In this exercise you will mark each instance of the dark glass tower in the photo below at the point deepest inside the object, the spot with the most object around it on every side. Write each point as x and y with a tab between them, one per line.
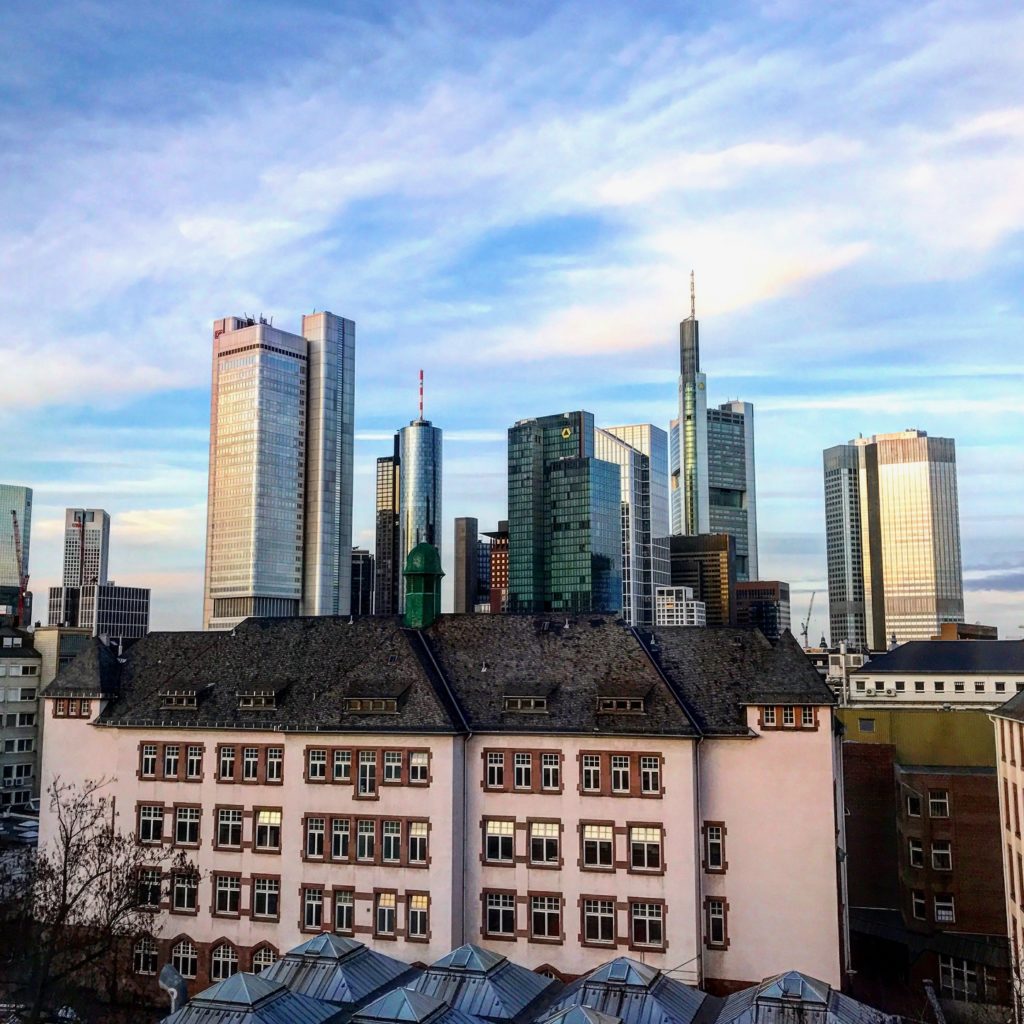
565	538
387	563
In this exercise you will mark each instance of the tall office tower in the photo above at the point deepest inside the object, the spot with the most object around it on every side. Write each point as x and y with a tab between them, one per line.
483	575
105	609
279	509
467	571
711	458
362	582
499	567
763	605
388	567
892	532
86	546
565	537
18	500
707	565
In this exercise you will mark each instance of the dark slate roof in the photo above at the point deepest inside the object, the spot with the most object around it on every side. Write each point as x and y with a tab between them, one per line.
1013	708
966	656
716	671
485	657
252	999
26	650
95	671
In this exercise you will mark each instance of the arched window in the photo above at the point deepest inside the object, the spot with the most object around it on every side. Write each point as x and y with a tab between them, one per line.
145	956
223	962
263	957
185	958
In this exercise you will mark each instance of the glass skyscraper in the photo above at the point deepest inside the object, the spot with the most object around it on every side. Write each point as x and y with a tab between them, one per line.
86	546
419	488
17	499
279	512
385	591
565	535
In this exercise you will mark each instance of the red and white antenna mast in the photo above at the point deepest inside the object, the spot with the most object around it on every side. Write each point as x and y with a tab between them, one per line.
421	394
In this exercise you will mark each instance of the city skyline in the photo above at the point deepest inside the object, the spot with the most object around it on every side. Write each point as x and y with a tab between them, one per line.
526	288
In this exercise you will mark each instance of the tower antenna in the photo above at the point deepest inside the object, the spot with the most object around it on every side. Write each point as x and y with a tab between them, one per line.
421	394
693	299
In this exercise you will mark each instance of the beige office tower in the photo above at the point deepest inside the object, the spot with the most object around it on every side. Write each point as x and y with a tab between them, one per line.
892	529
279	513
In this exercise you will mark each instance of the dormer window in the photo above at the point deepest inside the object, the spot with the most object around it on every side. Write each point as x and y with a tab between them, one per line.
620	705
256	701
372	705
529	705
178	699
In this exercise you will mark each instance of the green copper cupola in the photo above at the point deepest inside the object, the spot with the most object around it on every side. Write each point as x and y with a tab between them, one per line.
423	575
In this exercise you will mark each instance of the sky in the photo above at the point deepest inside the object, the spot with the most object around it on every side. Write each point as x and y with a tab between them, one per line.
511	197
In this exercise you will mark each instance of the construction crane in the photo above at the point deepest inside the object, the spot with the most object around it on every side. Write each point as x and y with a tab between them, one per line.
805	628
22	575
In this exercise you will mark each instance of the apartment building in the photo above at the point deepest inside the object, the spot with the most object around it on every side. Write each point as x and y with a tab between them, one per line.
556	790
19	717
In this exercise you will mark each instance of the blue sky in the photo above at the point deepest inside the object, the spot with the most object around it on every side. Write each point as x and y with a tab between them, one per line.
512	197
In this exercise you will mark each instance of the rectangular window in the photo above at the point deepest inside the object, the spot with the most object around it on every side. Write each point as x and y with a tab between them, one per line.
312	908
918	686
714	848
938	803
939	686
645	848
620	773
392	766
545	917
650	774
958	687
151	823
268	830
227	894
341	833
391	841
523	778
962	980
186	826
915	853
266	898
171	752
807	717
942	855
768	717
550	772
979	687
499	842
418	911
917	905
913	805
366	840
495	770
789	715
344	916
148	767
316	764
194	762
418	842
342	769
866	724
229	828
315	837
598	843
544	842
419	768
227	763
149	887
250	764
592	773
384	916
367	773
647	924
184	890
500	913
599	921
716	929
901	685
945	909
275	764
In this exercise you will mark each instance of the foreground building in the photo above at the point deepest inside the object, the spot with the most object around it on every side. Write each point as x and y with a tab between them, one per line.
553	789
19	717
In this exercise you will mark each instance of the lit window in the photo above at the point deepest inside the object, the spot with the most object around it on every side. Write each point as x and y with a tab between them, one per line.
418	767
268	830
544	842
598	842
938	803
945	909
384	916
500	842
418	842
645	848
418	916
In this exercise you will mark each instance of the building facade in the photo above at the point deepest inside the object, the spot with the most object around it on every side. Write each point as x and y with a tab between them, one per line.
120	613
362	582
498	554
19	500
86	546
892	531
419	502
467	565
763	605
564	516
707	565
388	564
279	508
19	717
676	606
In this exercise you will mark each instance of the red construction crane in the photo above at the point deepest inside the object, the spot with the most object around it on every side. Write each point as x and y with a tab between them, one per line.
22	575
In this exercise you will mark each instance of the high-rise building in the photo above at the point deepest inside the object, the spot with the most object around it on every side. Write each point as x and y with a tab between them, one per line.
467	567
362	582
892	531
105	609
86	546
565	535
763	605
676	606
279	510
388	566
498	555
707	565
711	458
20	725
641	453
14	498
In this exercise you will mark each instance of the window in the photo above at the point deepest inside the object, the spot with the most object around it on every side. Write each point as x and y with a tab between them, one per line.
500	910
523	778
942	855
384	915
275	764
550	771
599	921
859	685
913	805
367	773
268	830
151	823
186	826
544	842
919	686
266	898
716	928
499	843
789	715
148	767
312	909
962	980
392	766
194	762
938	803
184	889
391	841
620	705
495	770
531	705
366	834
939	686
315	837
979	687
264	957
545	917
769	717
597	846
714	847
223	962
227	763
418	911
316	764
227	891
344	918
418	768
185	959
866	724
592	773
958	687
149	887
945	909
1000	687
915	853
341	835
145	957
650	774
647	924
342	770
620	773
60	708
901	685
645	848
807	717
917	905
171	752
229	827
250	764
417	842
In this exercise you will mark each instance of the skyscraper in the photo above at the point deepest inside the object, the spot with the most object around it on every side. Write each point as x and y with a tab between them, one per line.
711	458
763	605
707	565
467	569
565	536
86	546
19	500
279	511
362	582
892	532
388	568
498	556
